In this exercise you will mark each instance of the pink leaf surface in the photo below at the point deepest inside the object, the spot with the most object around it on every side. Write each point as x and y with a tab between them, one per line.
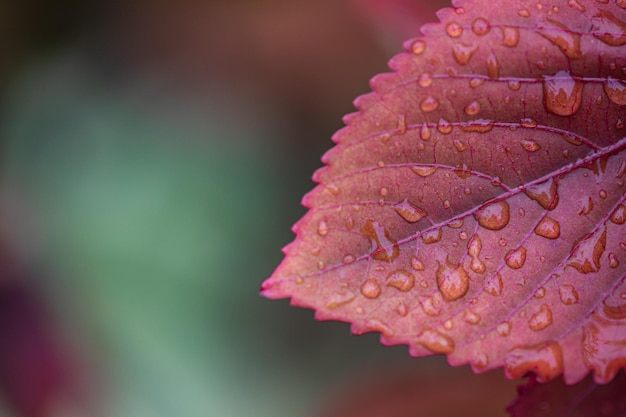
474	206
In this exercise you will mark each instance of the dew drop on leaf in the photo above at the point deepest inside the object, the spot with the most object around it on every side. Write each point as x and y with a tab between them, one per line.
470	317
545	193
454	30
613	261
541	319
476	82
548	228
384	247
473	108
402	309
510	36
423	170
568	294
615	90
546	360
514	85
530	145
516	258
348	259
493	66
340	298
418	47
452	280
504	328
402	280
494	216
432	236
480	26
493	285
409	212
425	132
481	361
431	305
540	293
322	228
565	39
370	288
585	256
429	104
417	264
444	126
447	324
523	13
528	122
608	28
435	341
619	215
463	53
425	80
562	95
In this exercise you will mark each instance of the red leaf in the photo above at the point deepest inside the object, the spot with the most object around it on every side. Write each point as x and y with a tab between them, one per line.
585	399
474	206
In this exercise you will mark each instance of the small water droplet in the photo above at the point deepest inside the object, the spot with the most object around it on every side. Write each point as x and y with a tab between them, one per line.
510	36
585	256
493	66
435	342
474	246
540	293
523	12
476	82
432	236
463	53
548	228
384	191
454	29
444	126
504	328
402	309
425	80
619	215
425	132
431	306
467	191
452	280
478	266
418	47
574	4
417	264
527	122
545	359
402	280
429	104
620	123
340	298
322	228
567	40
608	28
568	294
562	95
473	108
613	261
321	265
348	259
481	361
333	189
447	324
545	193
456	224
615	90
530	145
463	235
541	319
480	26
386	249
423	170
470	317
494	216
409	212
516	258
493	285
370	288
602	194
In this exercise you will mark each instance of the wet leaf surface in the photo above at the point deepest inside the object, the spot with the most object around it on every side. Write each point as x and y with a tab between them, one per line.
474	206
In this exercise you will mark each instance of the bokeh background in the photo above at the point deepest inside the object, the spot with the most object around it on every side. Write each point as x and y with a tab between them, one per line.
152	159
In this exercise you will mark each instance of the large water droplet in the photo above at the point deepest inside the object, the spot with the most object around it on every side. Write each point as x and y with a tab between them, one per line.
545	193
444	126
541	319
493	285
417	264
322	228
548	228
568	294
402	280
480	26
493	66
619	215
516	258
530	145
562	95
429	104
435	341
423	170
370	288
409	212
425	80
585	256
494	216
560	35
546	360
473	108
463	53
615	90
418	47
432	236
476	82
608	28
452	280
454	29
386	249
510	36
340	298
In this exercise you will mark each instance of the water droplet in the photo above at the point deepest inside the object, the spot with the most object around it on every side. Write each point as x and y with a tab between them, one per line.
370	288
402	309
467	191
493	285
423	170
510	36
481	361
425	132
528	122
480	26
470	317
340	298
608	28
348	259
620	123
474	246
541	319
613	261
429	104
530	145
463	235
435	342
452	280
478	125
379	326
425	80
473	108
431	306
545	193
321	265
567	40
619	215
514	85
568	294
417	264
602	194
548	228
478	266
322	228
540	293
493	66
562	95
621	3
333	189
585	256
447	324
545	359
476	82
504	328
586	205
384	191
444	126
456	224
386	249
432	236
409	212
574	4
494	216
454	29
418	47
402	280
463	53
615	90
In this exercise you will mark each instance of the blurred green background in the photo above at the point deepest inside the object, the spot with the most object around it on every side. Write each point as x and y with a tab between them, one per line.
153	155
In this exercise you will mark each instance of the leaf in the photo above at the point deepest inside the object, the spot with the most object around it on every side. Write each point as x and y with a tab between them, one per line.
585	399
474	206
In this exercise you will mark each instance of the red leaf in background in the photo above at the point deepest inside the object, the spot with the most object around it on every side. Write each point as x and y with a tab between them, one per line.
474	206
556	399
